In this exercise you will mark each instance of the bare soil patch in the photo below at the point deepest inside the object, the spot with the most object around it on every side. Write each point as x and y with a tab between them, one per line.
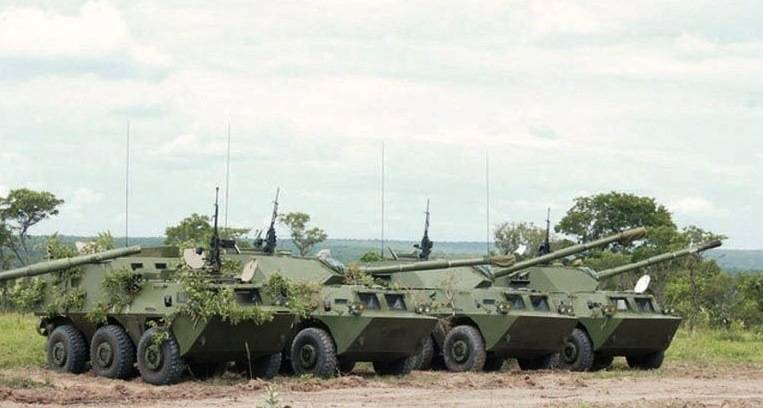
678	385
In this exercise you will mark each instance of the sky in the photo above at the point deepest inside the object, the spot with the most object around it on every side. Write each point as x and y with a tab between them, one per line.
564	98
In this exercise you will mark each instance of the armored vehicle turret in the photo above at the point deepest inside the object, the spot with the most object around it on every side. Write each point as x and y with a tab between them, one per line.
144	307
610	323
483	324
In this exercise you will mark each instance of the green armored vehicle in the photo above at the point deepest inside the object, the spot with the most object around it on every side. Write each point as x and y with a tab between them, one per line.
484	322
353	321
610	323
124	307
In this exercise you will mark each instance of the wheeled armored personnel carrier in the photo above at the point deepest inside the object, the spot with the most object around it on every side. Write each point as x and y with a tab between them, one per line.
350	321
610	323
484	322
129	307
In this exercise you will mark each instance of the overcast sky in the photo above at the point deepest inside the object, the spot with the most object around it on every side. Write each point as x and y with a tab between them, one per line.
659	98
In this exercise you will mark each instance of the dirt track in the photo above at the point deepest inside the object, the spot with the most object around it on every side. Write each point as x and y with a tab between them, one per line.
674	386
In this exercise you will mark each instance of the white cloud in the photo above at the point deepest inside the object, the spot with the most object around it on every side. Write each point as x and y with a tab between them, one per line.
82	198
97	31
192	145
692	206
4	190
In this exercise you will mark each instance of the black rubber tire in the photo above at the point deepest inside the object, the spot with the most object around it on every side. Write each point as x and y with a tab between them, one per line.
345	367
286	367
425	354
67	350
112	353
546	362
464	349
651	361
313	352
402	366
601	362
266	367
577	354
493	364
205	371
169	369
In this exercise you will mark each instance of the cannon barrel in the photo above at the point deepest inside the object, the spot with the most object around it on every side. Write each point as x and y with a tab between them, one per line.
42	268
502	261
624	238
608	273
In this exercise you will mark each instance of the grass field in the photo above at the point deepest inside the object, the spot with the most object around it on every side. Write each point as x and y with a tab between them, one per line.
21	346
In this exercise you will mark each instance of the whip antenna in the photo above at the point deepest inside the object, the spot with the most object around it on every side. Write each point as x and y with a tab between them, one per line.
127	187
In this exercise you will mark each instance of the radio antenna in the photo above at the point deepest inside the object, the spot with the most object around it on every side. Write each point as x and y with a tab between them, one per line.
227	181
487	202
382	201
127	187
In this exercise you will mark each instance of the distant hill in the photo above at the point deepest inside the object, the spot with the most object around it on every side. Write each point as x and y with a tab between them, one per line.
349	250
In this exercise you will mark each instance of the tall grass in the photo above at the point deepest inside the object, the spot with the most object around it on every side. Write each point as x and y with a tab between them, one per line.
20	345
716	346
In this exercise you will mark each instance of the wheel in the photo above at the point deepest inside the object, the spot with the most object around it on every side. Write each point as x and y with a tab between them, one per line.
112	353
651	361
286	367
205	371
402	366
425	354
346	367
493	364
602	362
67	350
159	364
266	367
546	362
313	352
464	349
577	354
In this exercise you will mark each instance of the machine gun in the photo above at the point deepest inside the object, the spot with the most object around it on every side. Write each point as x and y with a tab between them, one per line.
217	244
425	247
271	240
545	247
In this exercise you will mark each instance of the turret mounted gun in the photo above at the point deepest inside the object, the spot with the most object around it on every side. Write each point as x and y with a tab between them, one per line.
425	247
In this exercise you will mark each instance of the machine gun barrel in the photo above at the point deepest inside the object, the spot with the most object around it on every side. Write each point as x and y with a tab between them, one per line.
42	268
623	238
608	273
502	261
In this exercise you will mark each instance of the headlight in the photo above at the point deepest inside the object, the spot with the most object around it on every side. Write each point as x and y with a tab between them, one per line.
566	310
423	309
609	310
504	307
357	308
669	311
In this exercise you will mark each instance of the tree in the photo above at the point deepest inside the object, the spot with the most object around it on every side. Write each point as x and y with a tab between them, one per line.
600	215
371	256
195	231
304	239
519	236
21	210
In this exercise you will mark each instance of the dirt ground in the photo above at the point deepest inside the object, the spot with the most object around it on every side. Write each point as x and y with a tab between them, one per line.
678	385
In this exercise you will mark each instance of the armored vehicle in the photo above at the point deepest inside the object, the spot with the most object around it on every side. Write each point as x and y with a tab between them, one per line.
128	306
610	323
351	320
484	323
